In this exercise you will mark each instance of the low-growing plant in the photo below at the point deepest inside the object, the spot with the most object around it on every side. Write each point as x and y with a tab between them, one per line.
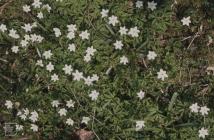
101	69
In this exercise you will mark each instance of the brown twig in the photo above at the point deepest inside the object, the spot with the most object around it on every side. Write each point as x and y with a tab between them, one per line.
195	36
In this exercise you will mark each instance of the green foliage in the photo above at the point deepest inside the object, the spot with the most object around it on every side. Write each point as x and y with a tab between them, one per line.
165	108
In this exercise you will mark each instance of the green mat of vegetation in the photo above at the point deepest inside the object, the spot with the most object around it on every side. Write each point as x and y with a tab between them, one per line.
107	69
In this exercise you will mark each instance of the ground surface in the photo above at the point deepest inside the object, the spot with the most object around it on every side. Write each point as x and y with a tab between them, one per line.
184	52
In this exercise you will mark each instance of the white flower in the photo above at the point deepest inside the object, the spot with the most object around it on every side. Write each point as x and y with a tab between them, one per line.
77	75
15	49
13	34
67	69
47	54
33	37
88	81
8	104
36	38
124	60
113	20
85	120
70	103
87	58
39	38
27	27
39	63
3	28
123	30
72	27
69	121
194	108
19	113
104	13
139	125
118	45
90	51
152	55
47	6
49	67
204	110
186	21
34	116
26	8
57	32
70	35
62	112
152	5
34	127
19	127
141	94
36	4
94	95
24	43
54	77
203	133
84	35
55	103
95	77
139	4
40	15
26	111
23	117
27	37
162	74
34	24
134	32
72	47
34	113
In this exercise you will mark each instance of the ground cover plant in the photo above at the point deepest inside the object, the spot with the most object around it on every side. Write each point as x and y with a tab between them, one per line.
107	69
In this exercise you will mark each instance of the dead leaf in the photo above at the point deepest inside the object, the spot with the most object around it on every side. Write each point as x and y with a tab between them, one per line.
210	70
84	134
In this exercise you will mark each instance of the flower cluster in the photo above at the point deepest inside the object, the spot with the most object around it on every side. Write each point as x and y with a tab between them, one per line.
151	5
77	40
24	114
195	108
62	111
